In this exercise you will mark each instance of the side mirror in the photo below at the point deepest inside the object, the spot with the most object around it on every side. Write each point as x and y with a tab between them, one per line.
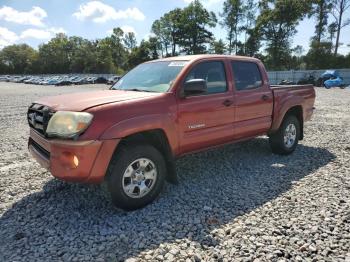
195	86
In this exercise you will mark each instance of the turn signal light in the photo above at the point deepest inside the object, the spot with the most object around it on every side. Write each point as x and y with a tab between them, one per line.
69	160
76	161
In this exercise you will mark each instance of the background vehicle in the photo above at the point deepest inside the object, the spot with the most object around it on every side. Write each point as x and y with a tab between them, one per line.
334	82
286	82
112	80
129	136
307	79
61	80
331	78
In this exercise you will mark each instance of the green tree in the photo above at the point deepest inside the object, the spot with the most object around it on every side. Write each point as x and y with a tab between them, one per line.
83	55
319	47
104	57
195	20
18	59
129	40
217	47
332	29
338	10
296	59
320	10
153	46
319	55
145	52
76	60
172	22
162	34
139	54
249	13
116	43
277	23
54	57
167	30
233	14
253	43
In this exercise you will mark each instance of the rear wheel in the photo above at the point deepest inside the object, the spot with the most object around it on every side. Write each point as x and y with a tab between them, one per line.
136	176
285	140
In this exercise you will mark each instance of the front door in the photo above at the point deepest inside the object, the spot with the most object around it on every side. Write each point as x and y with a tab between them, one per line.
206	120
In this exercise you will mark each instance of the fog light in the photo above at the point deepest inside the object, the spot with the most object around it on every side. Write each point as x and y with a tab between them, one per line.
76	161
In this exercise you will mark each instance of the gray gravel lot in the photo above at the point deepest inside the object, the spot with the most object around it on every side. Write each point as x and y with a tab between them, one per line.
238	202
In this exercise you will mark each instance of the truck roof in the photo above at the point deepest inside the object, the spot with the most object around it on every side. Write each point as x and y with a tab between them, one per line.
197	57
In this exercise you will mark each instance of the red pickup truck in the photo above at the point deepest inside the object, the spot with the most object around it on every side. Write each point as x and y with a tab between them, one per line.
130	135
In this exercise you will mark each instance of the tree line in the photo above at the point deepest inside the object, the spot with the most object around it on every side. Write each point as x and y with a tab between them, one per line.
263	29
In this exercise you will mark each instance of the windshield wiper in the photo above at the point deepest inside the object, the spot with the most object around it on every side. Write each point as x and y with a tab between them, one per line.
137	90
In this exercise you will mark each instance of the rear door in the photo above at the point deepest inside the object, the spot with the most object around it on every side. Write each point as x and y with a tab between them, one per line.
206	120
253	100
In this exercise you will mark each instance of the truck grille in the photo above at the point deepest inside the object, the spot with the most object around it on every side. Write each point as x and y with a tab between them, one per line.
39	117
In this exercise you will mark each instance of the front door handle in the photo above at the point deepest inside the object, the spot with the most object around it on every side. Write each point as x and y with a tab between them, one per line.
265	97
227	102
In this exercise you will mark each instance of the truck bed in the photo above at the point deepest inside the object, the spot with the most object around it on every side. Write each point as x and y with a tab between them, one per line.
288	96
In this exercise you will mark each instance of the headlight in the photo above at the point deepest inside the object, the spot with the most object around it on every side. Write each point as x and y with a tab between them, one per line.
68	124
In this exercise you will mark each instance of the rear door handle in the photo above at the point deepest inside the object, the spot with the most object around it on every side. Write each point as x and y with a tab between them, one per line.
227	102
265	97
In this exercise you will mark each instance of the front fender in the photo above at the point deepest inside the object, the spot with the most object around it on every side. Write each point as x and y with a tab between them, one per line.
144	123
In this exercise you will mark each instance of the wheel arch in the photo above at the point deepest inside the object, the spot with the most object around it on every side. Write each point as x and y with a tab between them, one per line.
297	111
157	138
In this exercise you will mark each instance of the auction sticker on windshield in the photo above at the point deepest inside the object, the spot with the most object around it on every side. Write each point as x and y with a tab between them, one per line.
178	63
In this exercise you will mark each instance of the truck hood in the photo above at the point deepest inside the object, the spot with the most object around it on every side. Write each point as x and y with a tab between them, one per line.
85	100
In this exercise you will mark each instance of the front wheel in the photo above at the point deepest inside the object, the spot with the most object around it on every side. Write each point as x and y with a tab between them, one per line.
136	176
285	140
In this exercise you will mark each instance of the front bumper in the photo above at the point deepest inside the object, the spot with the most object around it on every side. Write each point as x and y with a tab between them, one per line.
74	161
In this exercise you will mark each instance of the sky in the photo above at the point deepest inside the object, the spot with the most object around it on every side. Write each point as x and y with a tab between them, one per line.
35	22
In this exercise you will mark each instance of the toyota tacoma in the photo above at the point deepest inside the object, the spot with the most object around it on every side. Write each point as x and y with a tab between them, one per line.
130	135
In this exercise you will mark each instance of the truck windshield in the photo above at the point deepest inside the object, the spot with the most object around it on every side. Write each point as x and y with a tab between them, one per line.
151	77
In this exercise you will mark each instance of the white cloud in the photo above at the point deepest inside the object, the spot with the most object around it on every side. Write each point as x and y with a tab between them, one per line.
100	12
33	17
35	33
7	37
41	33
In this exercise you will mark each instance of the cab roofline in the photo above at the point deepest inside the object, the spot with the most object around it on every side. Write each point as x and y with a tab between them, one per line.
192	58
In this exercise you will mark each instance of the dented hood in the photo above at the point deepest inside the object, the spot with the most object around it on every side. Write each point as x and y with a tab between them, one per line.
85	100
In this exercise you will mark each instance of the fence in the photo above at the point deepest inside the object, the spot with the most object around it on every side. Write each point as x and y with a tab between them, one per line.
277	76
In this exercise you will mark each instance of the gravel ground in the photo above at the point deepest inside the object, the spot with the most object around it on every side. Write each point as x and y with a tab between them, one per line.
238	202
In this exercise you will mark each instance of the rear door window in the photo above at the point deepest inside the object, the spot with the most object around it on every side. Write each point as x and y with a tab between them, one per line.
246	75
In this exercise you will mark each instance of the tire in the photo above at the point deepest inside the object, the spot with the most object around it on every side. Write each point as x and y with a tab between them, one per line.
342	86
125	176
277	140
